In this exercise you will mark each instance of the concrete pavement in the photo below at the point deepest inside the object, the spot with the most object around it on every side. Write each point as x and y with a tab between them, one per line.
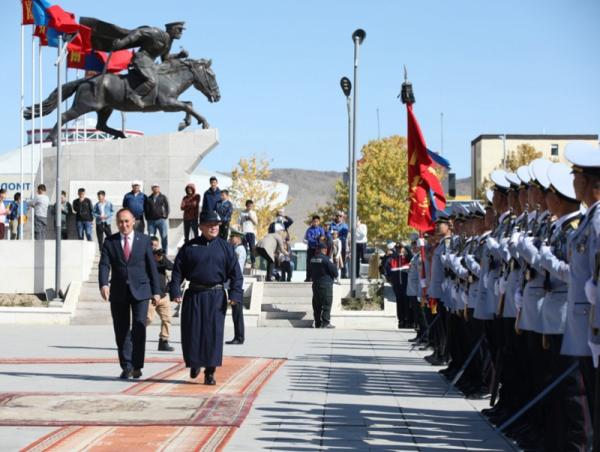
339	390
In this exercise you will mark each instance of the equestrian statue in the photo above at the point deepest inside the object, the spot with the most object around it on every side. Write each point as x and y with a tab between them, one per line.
147	87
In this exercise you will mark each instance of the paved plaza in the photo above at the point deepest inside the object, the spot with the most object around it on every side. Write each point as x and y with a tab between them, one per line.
338	389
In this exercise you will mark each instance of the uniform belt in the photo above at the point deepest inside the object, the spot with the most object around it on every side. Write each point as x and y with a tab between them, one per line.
197	287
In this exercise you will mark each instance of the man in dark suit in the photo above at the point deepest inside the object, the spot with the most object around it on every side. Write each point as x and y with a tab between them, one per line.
134	280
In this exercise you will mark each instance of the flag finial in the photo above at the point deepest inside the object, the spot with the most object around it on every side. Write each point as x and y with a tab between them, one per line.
407	95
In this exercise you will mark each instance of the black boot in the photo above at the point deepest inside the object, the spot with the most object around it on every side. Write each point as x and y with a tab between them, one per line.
209	376
163	346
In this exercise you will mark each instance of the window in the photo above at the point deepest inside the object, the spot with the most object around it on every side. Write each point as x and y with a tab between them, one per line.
554	150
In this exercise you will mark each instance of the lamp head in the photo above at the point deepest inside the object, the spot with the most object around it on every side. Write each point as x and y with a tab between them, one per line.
359	34
346	86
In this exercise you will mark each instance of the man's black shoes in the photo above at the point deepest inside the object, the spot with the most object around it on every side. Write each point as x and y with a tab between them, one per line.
164	346
137	373
209	379
234	342
126	374
194	372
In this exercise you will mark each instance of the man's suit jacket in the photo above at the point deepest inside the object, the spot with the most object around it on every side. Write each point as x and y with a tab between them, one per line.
138	275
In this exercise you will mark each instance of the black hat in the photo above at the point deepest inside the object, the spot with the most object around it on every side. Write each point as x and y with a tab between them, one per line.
209	217
322	245
171	25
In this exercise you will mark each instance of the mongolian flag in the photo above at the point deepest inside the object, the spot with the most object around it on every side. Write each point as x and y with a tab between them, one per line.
27	12
48	36
40	15
425	190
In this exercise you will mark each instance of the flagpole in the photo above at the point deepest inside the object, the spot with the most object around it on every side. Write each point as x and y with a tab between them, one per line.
57	209
41	137
357	37
22	130
32	141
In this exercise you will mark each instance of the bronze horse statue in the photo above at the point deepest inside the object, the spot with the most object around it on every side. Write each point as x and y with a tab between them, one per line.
106	92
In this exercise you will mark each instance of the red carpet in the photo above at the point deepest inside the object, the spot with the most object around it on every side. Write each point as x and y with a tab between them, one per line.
135	419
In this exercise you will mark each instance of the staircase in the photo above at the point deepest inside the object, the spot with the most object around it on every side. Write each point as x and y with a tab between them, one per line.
287	304
91	309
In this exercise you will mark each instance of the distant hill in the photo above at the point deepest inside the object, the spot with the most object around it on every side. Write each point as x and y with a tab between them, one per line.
308	189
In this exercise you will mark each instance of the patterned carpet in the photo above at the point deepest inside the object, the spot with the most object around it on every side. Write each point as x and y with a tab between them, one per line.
167	411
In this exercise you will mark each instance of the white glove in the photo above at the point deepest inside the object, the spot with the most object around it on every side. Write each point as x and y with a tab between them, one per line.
518	299
496	288
465	298
490	243
595	348
591	291
485	281
514	238
545	249
423	283
421	242
502	286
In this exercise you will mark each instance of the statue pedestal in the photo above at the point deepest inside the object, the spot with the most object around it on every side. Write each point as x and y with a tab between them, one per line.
167	160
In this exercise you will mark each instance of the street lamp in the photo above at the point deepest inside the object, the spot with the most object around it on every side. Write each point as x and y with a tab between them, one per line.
346	86
357	38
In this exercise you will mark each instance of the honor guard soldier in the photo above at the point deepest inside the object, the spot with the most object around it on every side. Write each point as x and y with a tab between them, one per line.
582	251
533	293
564	408
207	262
323	273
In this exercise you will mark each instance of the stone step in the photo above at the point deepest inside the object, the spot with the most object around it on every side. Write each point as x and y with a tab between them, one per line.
286	323
269	307
299	315
287	290
287	302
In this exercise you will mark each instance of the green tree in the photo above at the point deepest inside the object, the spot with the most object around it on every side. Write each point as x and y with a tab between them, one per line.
382	190
249	181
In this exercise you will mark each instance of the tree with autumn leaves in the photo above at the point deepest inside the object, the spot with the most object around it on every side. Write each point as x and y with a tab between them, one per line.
382	190
249	180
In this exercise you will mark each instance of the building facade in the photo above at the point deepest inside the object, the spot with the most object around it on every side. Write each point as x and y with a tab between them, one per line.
488	152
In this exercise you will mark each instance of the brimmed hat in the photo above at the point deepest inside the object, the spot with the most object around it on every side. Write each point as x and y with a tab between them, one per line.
236	233
561	180
209	217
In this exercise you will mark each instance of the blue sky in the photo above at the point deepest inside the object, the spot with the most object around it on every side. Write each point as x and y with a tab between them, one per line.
490	67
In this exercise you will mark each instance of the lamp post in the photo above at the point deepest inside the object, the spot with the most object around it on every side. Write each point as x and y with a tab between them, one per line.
503	150
346	86
357	38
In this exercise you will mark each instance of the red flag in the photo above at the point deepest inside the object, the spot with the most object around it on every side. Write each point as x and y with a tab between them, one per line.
27	12
425	190
119	60
62	20
76	59
82	42
41	32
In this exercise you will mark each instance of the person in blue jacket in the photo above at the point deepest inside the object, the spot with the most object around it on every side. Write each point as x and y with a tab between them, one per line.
312	238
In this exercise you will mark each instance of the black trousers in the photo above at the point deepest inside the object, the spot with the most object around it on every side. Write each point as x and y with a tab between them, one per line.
321	301
286	271
224	230
190	225
129	323
360	256
344	253
263	253
140	225
310	253
237	314
102	231
251	243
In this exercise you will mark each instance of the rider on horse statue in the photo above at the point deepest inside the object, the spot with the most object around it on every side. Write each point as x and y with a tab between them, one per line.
153	43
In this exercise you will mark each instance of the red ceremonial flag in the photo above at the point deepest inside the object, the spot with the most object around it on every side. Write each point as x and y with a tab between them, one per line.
62	20
41	32
27	12
82	42
425	190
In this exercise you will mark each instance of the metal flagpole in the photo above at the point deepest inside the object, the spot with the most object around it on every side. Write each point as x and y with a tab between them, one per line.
357	37
41	137
57	207
32	141
66	106
22	129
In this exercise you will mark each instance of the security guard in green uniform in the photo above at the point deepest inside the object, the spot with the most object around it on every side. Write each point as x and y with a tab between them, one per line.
323	273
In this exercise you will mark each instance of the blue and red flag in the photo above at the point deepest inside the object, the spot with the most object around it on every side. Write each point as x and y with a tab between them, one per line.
425	190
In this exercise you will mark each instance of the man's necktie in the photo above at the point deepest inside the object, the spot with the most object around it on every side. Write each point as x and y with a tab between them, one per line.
126	248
